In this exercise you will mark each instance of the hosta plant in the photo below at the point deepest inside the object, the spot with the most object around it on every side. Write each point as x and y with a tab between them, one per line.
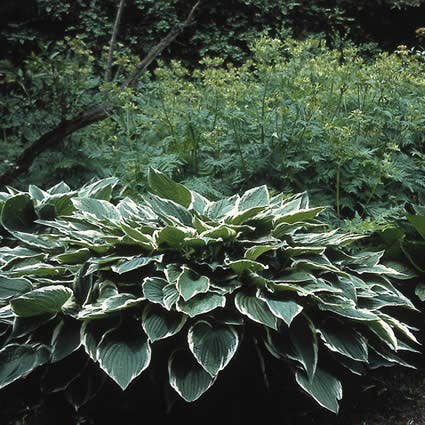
113	279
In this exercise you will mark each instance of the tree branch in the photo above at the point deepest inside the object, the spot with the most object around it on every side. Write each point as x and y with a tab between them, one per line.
95	114
113	42
158	49
50	139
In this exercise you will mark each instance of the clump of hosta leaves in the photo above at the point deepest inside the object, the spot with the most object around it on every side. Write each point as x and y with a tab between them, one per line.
81	272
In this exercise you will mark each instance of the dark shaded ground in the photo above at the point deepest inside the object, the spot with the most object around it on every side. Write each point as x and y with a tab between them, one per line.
388	397
393	397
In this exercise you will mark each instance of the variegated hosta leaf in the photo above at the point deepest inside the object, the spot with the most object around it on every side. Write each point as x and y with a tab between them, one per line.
221	232
187	377
189	284
170	295
113	304
159	323
347	311
123	356
256	309
166	188
201	304
172	272
97	208
213	346
169	211
385	333
304	345
220	209
256	251
171	236
283	309
78	256
125	266
17	360
101	189
257	197
153	289
240	266
92	331
18	214
299	216
65	340
12	287
48	299
345	341
250	204
323	387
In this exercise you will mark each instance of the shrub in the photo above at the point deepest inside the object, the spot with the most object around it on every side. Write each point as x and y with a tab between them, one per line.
116	278
297	116
404	241
49	87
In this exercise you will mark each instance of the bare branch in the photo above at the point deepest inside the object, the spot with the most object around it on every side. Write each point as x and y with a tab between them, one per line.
113	42
158	48
95	114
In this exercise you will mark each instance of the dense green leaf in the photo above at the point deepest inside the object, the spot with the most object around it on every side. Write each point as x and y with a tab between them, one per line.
418	222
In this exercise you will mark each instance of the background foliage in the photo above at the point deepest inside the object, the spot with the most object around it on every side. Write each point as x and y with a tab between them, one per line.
223	28
297	116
